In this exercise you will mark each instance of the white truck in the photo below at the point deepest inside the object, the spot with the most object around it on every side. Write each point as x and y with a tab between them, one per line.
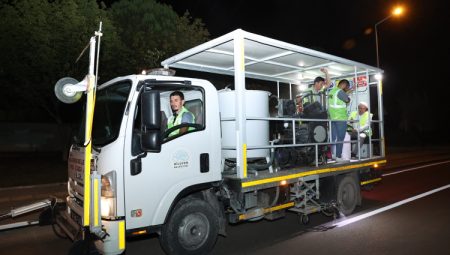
237	162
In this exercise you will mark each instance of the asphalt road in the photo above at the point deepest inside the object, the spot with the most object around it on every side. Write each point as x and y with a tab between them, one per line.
420	226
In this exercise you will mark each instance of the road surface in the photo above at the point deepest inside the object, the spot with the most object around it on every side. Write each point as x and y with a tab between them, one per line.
394	221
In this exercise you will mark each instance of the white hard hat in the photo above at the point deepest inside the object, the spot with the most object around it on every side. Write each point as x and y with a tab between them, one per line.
365	104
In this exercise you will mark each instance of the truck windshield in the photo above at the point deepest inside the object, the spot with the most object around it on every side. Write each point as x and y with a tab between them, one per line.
110	104
109	108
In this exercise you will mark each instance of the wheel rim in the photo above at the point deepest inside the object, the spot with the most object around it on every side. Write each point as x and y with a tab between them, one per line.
347	196
193	231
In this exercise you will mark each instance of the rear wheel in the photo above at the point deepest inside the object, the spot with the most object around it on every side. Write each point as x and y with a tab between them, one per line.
192	228
347	195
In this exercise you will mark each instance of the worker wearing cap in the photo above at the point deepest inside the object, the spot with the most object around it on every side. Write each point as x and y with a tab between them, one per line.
362	124
312	94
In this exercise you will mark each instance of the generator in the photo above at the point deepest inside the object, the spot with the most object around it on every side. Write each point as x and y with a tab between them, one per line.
306	132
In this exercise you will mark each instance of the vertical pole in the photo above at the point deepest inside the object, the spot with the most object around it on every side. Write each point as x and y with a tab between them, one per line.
278	89
358	141
90	101
290	91
376	37
369	110
239	82
381	117
376	45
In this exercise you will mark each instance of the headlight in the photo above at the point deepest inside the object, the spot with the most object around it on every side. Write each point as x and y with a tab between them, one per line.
108	199
107	206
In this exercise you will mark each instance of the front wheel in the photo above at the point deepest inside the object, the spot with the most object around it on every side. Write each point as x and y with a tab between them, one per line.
191	229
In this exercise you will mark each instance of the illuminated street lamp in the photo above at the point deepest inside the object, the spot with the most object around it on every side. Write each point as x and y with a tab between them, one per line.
396	12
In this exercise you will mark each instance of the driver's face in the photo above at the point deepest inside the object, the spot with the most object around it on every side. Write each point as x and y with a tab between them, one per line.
176	103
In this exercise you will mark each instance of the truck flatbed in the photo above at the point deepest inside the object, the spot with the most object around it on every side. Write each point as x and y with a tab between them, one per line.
265	179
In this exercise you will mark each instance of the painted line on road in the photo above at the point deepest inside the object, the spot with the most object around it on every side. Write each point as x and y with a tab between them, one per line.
380	210
415	168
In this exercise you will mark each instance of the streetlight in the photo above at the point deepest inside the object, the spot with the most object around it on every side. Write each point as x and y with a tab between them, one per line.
396	12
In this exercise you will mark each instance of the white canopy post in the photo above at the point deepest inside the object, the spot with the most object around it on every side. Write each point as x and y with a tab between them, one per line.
239	84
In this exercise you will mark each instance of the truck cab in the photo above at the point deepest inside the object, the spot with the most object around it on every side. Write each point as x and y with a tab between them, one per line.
138	186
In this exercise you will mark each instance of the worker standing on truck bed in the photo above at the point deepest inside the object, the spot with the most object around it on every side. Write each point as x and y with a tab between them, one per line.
180	113
337	108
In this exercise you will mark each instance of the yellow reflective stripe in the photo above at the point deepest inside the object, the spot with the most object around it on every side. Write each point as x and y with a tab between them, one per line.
121	235
90	104
299	175
244	159
95	202
370	181
381	88
87	185
278	207
268	210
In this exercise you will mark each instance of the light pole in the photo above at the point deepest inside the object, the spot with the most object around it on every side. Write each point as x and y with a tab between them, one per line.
396	12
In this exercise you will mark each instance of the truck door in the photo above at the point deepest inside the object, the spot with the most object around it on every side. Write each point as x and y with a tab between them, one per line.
182	162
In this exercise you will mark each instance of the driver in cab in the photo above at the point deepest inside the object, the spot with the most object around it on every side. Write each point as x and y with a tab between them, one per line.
180	114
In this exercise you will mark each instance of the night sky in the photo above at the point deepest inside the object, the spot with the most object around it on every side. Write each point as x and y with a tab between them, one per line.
413	50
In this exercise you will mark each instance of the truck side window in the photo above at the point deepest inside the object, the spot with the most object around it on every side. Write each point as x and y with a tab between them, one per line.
194	103
192	118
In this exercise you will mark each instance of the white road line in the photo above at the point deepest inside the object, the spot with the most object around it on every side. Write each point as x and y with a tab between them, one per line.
415	168
380	210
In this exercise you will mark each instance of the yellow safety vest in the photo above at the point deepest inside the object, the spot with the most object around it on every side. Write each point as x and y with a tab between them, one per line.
363	119
336	107
177	121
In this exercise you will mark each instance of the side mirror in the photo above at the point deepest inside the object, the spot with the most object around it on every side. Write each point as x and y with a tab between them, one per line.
150	121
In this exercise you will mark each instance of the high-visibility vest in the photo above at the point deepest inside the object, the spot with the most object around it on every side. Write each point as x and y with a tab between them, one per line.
311	93
336	107
177	121
363	119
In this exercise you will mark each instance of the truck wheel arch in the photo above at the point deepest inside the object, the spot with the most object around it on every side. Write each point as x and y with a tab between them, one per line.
204	191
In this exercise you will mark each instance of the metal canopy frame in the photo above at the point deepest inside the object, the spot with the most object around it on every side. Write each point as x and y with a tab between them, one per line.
246	55
265	59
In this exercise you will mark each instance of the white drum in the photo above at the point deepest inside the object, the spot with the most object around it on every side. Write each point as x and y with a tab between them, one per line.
257	105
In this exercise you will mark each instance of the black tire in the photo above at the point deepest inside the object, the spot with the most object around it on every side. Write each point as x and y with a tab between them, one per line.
304	218
347	195
191	229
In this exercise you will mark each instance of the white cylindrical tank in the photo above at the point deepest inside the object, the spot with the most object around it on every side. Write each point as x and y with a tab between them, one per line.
257	105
